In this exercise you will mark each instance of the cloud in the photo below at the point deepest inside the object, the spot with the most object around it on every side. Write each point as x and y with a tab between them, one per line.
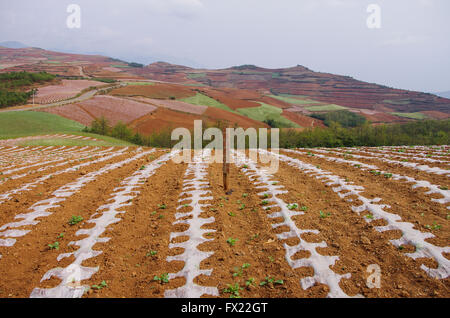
178	8
401	39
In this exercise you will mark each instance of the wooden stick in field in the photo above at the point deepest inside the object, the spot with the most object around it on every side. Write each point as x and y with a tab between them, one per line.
226	165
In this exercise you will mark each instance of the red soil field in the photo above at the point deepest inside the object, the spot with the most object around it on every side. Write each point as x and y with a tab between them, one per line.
302	120
313	242
174	105
436	114
241	121
158	91
65	90
112	108
228	99
163	118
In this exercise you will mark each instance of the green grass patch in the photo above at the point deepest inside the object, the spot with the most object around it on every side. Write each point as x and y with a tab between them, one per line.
418	116
25	123
197	84
28	123
196	75
267	112
293	99
204	100
397	102
325	108
120	66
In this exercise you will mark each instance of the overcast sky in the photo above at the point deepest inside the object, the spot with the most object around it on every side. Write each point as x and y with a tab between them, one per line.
411	49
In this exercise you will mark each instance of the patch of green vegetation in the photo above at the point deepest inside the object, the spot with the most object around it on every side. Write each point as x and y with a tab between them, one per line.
417	115
25	123
13	85
75	220
325	108
233	290
268	113
201	99
54	246
232	241
102	285
344	117
197	84
397	102
294	99
196	75
104	80
163	279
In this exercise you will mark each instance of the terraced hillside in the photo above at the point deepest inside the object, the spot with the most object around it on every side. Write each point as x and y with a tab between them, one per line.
298	91
129	222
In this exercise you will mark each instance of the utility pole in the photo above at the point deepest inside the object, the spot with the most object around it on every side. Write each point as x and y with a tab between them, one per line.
226	164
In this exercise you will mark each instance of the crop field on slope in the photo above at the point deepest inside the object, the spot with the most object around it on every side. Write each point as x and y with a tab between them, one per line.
114	109
266	112
24	123
65	90
129	222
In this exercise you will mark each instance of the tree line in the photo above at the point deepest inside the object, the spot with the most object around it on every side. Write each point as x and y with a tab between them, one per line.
426	132
12	82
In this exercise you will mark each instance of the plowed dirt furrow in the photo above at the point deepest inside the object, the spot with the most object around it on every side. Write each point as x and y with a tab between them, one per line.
57	175
394	167
420	202
56	227
42	208
106	215
407	234
67	161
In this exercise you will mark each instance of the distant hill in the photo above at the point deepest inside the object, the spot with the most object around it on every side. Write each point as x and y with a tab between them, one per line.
13	45
443	94
297	90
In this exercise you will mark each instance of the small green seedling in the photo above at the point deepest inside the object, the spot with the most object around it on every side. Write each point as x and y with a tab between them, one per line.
163	279
269	280
388	175
242	207
61	235
244	195
245	166
102	285
292	206
369	216
232	241
304	208
233	290
443	188
265	202
249	282
238	271
435	226
142	168
151	253
231	214
162	206
324	215
54	246
75	220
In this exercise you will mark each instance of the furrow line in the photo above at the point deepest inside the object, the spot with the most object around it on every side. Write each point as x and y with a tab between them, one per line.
72	275
195	190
